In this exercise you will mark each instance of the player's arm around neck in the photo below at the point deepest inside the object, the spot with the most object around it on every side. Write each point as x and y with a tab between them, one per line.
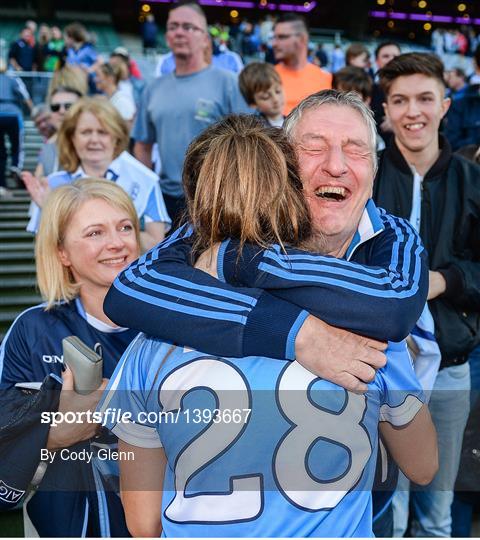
141	484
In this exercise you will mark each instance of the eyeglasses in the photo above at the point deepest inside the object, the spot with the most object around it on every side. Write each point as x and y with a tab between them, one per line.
283	37
186	27
55	107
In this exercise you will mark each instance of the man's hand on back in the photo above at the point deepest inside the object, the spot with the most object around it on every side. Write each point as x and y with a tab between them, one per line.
338	356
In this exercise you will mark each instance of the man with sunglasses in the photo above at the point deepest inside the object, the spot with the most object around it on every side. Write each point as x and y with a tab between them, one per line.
61	99
60	107
299	77
175	108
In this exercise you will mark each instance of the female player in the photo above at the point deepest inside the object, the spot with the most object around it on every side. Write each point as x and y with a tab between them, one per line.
255	446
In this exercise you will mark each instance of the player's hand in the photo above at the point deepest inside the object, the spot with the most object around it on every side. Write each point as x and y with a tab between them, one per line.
65	434
338	356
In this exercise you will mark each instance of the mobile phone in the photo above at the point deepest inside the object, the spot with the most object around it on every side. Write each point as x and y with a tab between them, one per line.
85	363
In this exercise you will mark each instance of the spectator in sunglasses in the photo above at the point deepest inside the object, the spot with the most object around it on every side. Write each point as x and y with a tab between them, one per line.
61	99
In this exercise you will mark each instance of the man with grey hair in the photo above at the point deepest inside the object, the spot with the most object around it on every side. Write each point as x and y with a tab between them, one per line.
335	137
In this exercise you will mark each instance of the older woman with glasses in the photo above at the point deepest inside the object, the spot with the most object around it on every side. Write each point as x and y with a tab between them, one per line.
92	141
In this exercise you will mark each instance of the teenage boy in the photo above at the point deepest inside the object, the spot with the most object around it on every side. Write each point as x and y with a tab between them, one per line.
420	179
262	89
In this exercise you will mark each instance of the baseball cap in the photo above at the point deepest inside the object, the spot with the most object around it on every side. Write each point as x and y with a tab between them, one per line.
122	51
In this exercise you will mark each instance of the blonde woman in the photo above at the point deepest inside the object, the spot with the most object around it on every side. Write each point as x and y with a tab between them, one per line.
89	232
260	447
92	141
71	77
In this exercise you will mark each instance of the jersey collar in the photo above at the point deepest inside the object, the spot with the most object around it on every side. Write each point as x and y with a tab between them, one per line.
93	321
370	225
79	173
112	173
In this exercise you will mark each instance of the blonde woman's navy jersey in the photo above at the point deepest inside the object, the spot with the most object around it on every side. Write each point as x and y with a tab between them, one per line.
75	498
32	348
257	447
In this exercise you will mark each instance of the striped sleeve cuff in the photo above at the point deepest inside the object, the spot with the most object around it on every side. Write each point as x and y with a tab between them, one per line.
272	327
402	414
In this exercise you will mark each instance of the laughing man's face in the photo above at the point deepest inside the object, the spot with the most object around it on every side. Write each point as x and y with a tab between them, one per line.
336	167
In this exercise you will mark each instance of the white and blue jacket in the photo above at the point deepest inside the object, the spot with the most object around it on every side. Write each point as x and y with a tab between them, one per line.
140	183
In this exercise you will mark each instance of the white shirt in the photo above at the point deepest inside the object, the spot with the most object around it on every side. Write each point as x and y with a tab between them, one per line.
123	102
140	183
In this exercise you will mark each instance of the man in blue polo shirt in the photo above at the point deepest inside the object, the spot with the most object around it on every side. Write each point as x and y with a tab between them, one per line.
21	55
177	107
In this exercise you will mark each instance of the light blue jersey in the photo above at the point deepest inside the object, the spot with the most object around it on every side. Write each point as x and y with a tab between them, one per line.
257	447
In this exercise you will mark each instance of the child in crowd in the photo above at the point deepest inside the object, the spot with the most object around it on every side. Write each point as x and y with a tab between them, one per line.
354	79
262	89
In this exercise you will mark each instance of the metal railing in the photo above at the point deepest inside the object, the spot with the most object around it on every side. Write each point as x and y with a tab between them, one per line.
36	82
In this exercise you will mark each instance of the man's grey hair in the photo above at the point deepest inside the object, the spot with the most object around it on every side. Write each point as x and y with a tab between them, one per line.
339	99
193	5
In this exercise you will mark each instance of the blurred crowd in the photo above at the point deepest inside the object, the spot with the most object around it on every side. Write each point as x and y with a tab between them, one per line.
48	48
463	41
69	55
